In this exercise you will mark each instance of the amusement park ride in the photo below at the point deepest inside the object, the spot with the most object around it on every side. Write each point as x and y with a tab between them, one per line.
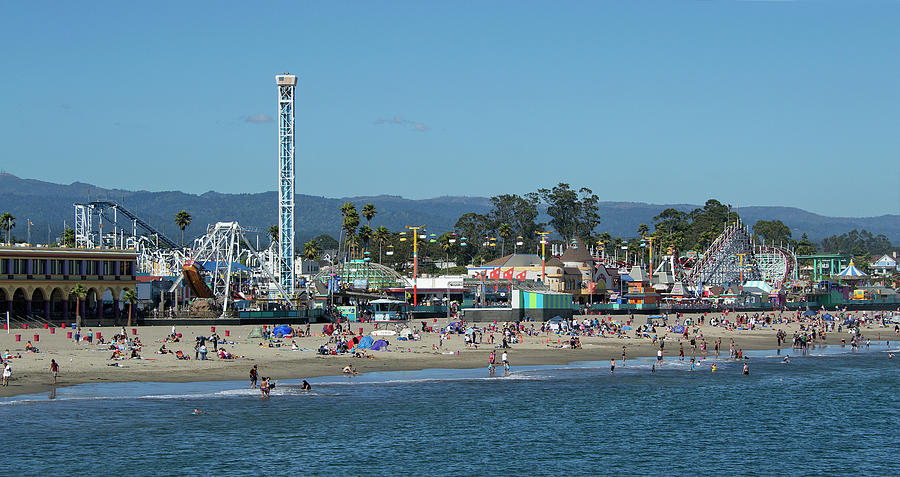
734	257
211	266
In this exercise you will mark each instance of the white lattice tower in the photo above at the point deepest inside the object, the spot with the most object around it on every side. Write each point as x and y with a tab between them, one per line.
286	84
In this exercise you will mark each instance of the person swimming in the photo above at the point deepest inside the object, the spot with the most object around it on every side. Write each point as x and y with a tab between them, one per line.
746	371
198	412
305	386
786	360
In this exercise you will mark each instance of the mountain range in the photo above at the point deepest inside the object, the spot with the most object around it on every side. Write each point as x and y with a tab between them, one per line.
48	204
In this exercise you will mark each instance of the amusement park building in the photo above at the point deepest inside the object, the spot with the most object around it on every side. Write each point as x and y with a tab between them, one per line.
37	281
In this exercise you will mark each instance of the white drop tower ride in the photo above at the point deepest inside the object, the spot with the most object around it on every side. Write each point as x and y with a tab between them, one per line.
286	84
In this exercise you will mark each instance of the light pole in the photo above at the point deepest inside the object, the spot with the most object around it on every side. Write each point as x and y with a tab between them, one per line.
415	262
544	255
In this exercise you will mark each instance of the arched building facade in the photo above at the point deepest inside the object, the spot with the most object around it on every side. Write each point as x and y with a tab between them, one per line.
38	282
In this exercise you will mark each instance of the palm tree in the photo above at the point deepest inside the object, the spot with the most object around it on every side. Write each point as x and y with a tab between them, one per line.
351	221
80	293
311	250
642	230
505	231
346	210
369	211
273	233
381	236
365	234
7	222
129	297
182	220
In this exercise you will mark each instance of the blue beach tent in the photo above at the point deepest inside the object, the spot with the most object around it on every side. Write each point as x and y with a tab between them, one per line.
281	330
365	342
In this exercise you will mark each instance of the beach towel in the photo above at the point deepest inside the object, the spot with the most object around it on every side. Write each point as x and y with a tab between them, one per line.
256	332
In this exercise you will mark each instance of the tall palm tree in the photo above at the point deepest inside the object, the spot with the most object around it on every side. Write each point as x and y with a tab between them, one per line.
642	230
365	234
369	211
311	250
273	233
505	231
7	222
351	221
80	293
129	297
381	236
182	220
346	210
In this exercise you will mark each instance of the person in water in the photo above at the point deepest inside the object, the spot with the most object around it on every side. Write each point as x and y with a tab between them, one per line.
305	386
746	369
612	366
198	412
264	387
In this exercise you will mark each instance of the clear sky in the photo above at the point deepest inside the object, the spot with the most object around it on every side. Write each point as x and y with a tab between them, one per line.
671	101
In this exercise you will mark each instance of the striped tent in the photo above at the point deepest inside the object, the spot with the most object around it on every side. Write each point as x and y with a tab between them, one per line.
851	272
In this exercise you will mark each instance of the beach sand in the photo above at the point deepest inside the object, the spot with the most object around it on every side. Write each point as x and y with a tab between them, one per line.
84	363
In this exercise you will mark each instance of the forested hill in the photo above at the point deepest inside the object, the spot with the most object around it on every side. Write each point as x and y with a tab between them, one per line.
46	203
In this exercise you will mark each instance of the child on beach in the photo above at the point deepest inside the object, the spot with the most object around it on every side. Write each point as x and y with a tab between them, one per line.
54	369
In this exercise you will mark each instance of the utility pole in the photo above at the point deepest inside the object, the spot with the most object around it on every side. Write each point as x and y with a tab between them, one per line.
544	255
415	231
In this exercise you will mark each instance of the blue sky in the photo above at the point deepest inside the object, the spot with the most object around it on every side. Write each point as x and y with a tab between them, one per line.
673	101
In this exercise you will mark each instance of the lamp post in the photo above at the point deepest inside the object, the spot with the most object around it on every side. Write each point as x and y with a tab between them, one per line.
415	262
544	255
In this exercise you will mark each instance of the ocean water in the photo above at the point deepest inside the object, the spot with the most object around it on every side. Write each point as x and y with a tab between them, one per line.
832	411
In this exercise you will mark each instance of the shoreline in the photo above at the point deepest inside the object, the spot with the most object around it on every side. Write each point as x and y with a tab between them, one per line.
83	364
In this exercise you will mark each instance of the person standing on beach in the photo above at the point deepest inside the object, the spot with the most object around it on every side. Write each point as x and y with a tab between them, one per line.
54	369
254	375
7	372
659	355
681	351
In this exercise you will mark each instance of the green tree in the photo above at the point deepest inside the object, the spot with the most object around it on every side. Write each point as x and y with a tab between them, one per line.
365	235
520	212
326	242
311	250
572	212
182	220
350	221
805	246
273	233
68	238
472	227
130	297
642	230
369	211
505	231
381	237
772	232
7	223
80	293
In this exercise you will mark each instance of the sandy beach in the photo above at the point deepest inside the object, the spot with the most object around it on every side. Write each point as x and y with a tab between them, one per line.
89	363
